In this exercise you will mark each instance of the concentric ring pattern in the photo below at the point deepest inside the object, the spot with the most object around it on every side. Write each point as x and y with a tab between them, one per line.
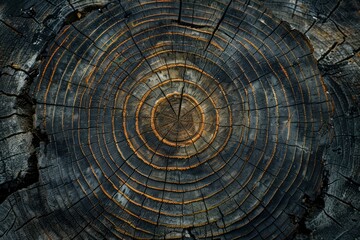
183	119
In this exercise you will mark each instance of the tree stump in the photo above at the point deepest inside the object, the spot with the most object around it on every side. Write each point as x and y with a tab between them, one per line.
225	119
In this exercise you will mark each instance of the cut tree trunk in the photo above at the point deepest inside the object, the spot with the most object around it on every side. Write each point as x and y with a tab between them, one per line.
225	119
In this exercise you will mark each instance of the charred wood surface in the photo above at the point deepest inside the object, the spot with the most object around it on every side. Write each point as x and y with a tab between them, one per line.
179	119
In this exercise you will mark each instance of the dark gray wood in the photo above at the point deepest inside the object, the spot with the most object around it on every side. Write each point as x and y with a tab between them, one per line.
179	119
333	29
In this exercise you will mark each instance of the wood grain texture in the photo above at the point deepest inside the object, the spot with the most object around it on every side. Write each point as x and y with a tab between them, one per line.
179	119
333	29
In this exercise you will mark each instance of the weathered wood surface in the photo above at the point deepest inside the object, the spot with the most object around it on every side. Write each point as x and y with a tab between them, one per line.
179	119
333	28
